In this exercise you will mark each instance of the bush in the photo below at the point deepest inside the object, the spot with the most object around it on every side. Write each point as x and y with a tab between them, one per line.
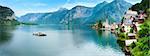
123	36
142	47
145	30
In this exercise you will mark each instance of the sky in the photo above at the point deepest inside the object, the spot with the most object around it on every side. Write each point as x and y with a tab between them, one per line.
21	7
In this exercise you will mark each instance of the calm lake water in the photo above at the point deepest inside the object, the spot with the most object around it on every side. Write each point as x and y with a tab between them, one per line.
60	41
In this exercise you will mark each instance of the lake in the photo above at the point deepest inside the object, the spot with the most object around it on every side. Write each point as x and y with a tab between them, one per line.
61	40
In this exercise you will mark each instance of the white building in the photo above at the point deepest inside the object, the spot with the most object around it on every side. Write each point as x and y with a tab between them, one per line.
130	13
106	25
129	42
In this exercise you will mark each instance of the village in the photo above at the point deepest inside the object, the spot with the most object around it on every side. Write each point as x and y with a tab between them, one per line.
128	27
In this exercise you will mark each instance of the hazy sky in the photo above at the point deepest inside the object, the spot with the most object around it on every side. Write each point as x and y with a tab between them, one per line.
22	7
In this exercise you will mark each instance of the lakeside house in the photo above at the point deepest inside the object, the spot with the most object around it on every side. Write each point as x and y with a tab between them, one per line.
114	26
132	35
130	41
130	25
130	13
131	21
127	44
141	17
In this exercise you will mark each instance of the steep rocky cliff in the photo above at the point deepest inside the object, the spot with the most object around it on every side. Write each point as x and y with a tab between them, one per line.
7	16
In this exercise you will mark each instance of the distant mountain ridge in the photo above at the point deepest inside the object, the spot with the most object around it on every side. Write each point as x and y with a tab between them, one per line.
81	14
112	11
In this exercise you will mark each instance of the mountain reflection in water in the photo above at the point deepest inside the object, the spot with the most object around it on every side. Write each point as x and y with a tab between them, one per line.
60	41
6	33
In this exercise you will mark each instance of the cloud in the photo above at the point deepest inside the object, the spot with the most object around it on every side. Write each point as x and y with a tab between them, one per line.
34	4
89	3
33	8
39	4
134	1
23	12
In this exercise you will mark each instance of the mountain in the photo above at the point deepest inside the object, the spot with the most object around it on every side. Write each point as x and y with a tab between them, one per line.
81	14
55	17
77	13
99	6
112	11
61	16
32	17
44	18
7	16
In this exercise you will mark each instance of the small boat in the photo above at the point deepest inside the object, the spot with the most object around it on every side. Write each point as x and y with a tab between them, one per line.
39	34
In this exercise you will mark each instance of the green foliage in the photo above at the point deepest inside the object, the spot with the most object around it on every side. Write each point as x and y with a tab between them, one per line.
142	47
121	43
122	36
148	12
133	45
100	25
13	22
9	22
145	29
141	6
131	30
123	19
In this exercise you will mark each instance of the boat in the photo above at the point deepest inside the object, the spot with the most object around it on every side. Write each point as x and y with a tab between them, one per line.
39	34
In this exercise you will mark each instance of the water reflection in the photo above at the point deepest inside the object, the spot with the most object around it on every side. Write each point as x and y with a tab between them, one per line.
5	33
105	38
60	41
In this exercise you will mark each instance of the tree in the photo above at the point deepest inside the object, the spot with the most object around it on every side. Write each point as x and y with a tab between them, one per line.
100	25
144	5
145	30
142	47
148	12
